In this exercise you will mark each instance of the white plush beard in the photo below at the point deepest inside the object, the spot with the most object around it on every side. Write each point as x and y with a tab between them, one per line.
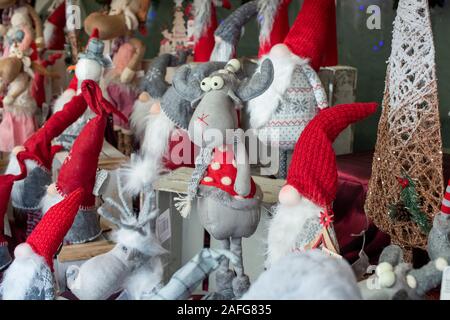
14	168
145	168
49	201
285	227
19	277
261	108
223	52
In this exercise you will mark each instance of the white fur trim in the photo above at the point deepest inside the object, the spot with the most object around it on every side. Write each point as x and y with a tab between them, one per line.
64	98
267	11
144	279
285	227
147	244
202	20
49	31
262	107
147	167
19	276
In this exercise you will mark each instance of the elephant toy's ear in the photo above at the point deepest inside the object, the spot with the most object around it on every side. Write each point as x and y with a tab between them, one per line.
258	83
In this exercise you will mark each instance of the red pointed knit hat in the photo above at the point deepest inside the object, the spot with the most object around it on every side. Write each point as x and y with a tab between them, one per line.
274	24
51	230
204	44
313	35
39	146
80	167
313	170
445	206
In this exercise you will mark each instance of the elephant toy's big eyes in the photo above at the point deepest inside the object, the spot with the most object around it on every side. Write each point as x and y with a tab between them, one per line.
205	85
217	83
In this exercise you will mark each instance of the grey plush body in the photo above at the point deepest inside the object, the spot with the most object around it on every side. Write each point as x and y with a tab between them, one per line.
43	285
214	125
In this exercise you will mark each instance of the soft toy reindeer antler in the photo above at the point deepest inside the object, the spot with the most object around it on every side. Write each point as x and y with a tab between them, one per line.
129	219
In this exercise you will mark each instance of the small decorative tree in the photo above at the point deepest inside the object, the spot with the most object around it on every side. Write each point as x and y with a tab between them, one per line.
409	138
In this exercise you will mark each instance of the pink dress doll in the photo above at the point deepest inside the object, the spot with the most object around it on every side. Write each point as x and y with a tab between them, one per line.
19	107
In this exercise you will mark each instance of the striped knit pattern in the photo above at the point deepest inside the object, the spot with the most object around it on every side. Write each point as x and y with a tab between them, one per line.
313	170
51	230
445	206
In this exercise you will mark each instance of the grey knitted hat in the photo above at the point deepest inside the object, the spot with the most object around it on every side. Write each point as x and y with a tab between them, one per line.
154	80
179	109
230	29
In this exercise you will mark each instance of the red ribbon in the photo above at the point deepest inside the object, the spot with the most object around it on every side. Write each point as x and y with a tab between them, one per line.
94	97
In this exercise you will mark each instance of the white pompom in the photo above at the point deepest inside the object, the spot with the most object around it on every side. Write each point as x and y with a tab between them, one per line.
235	64
411	281
383	267
441	264
23	250
387	279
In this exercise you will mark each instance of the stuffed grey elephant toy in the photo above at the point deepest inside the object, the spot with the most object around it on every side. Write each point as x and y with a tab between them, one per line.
228	200
395	279
134	264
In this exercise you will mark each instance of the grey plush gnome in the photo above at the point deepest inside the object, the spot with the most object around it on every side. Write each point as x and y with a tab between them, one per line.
395	279
30	276
151	127
310	275
296	95
228	200
134	264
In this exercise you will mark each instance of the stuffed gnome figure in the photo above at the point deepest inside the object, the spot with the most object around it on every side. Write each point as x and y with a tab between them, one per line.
54	25
30	276
37	156
304	215
296	94
80	167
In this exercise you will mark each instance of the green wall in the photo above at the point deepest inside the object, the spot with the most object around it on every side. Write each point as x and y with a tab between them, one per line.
356	44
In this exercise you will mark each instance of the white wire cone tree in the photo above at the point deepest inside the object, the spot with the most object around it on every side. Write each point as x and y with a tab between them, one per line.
409	137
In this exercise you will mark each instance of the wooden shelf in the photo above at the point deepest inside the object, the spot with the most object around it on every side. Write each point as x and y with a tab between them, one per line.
177	182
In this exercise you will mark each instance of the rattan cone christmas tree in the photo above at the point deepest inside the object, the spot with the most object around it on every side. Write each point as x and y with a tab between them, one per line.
409	138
